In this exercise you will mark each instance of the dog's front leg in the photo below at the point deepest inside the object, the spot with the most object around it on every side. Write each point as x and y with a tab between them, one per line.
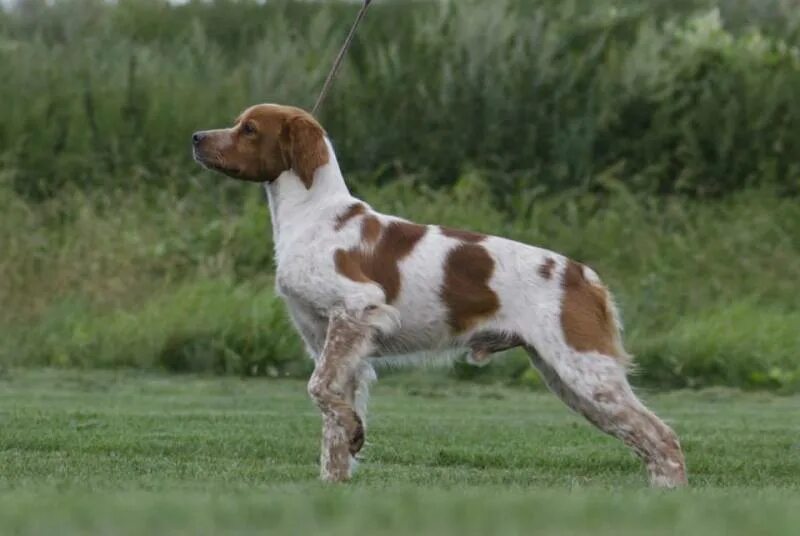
347	342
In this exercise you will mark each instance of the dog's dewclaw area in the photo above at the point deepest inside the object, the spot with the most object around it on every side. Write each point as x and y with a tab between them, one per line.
126	453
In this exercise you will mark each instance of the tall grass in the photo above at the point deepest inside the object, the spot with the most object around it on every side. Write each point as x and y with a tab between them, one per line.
708	291
695	96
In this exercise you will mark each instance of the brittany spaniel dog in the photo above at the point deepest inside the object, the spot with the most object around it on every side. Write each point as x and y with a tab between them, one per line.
362	286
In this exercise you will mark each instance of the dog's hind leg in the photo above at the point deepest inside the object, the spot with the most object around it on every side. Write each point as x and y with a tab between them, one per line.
580	355
596	387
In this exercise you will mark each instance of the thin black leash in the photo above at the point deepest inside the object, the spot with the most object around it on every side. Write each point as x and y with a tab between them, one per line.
338	62
335	69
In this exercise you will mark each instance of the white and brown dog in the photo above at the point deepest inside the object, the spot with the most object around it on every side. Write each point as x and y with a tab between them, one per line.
362	286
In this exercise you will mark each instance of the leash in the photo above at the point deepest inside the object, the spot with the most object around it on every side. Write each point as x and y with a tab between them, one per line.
338	62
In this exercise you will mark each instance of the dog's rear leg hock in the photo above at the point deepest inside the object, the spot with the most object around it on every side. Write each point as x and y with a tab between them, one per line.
347	342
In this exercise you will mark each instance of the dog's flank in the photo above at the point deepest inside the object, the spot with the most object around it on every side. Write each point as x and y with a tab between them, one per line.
361	286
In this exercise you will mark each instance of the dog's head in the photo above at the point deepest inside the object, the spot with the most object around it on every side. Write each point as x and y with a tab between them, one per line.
265	141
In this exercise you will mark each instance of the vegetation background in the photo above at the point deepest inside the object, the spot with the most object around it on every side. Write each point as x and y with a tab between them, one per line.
657	141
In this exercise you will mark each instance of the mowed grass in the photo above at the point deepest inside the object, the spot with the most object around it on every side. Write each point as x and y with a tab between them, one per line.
132	453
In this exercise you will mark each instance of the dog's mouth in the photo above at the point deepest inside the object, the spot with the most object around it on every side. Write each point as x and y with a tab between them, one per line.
214	163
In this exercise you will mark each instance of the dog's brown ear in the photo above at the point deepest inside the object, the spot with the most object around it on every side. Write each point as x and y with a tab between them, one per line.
303	147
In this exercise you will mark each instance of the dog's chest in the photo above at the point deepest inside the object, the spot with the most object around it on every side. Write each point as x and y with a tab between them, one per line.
304	277
304	268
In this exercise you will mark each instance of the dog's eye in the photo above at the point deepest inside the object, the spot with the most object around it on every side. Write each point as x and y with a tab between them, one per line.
248	129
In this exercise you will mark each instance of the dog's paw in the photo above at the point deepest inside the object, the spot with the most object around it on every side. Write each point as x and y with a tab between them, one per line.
357	437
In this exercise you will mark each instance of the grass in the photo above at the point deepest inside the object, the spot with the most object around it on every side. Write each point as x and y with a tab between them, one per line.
132	453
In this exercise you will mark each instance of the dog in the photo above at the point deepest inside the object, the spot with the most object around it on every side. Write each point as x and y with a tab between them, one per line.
361	286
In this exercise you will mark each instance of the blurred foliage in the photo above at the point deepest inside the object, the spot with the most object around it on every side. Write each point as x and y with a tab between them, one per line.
688	96
184	282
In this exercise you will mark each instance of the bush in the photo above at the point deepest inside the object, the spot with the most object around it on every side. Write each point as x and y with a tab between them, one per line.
204	326
666	96
708	290
743	344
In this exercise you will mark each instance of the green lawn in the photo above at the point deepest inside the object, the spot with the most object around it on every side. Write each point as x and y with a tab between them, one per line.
127	453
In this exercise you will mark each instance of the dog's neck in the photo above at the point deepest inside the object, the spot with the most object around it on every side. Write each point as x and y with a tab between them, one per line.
292	205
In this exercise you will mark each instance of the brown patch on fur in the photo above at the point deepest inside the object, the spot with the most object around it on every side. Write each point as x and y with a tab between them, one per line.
370	229
466	292
546	268
586	316
356	209
266	140
380	264
464	236
302	142
348	264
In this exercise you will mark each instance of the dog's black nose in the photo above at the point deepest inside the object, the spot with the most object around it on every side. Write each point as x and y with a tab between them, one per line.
197	137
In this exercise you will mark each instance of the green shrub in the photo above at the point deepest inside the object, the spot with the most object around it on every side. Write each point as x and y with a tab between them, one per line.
743	344
695	96
181	282
204	326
